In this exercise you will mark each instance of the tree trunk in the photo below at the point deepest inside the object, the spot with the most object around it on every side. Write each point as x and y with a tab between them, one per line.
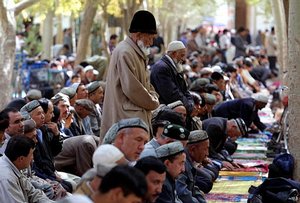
7	52
286	11
103	30
47	39
169	29
240	13
8	11
281	35
85	30
59	39
294	83
128	11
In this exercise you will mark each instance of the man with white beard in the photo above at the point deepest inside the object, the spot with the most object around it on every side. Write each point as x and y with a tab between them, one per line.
128	91
167	77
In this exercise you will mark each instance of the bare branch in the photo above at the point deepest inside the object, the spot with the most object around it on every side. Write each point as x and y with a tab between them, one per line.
23	5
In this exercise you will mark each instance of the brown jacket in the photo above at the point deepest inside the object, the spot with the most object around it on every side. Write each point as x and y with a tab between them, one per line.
128	90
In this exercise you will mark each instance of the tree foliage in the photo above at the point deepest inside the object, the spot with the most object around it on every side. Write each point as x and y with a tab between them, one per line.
264	4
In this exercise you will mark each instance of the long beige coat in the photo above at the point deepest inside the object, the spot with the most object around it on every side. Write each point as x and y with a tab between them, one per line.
128	90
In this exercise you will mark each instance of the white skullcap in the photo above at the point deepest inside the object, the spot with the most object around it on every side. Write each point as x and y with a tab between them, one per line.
217	69
206	70
226	78
87	68
107	155
175	45
95	72
261	97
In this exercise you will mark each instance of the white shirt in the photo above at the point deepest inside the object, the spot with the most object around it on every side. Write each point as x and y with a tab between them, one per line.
225	41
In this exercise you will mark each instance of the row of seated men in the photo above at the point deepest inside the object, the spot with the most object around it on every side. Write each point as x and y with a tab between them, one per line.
64	140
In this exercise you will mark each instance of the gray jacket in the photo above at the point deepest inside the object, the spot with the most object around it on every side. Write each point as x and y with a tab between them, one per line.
15	187
149	149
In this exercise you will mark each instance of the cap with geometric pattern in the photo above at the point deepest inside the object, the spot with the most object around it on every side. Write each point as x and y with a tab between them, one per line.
69	91
210	99
86	103
91	87
59	97
30	106
197	136
112	132
170	149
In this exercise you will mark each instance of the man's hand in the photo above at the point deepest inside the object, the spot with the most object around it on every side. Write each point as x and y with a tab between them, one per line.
53	127
228	165
237	165
68	121
206	161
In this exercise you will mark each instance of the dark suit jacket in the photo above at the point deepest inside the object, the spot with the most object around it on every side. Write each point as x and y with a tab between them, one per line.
168	194
239	108
169	84
216	131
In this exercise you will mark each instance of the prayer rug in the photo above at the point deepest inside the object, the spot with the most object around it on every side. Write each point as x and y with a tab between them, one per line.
223	197
242	173
241	155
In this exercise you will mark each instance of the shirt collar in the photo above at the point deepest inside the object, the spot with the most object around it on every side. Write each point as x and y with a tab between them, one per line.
171	60
14	168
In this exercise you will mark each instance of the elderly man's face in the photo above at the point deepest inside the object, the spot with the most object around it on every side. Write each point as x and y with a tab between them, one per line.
155	182
234	133
147	39
132	142
16	125
180	55
38	116
200	151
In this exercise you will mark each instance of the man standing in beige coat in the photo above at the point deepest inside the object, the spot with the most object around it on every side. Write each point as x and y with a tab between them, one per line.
128	91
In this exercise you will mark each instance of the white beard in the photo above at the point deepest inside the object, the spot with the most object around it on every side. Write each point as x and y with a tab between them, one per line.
145	50
179	67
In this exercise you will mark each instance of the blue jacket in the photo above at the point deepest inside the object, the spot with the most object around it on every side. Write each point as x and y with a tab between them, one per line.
186	187
168	194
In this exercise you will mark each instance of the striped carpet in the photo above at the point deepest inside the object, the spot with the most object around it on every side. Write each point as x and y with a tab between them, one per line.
232	186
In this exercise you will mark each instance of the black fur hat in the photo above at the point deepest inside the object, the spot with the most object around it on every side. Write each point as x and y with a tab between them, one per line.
144	22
